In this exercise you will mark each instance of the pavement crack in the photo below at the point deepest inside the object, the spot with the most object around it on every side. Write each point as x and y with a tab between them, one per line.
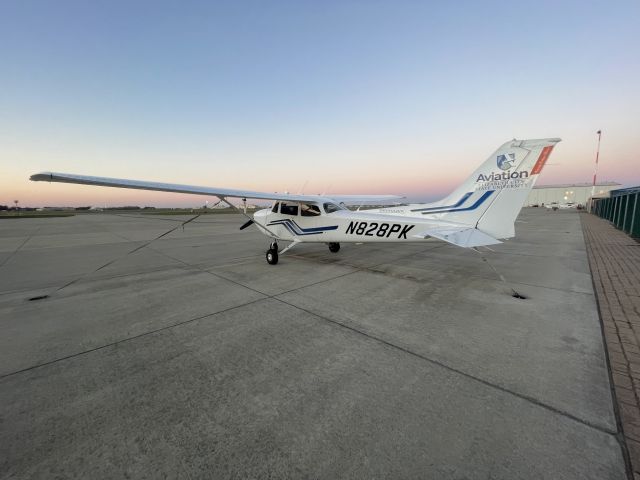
128	339
139	247
449	368
29	237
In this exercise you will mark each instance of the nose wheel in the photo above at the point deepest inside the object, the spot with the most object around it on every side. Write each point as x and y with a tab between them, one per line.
272	254
334	247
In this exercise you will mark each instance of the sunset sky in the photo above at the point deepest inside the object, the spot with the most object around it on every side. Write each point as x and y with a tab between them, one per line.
402	97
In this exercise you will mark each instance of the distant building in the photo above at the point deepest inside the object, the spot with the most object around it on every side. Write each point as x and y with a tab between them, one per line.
570	192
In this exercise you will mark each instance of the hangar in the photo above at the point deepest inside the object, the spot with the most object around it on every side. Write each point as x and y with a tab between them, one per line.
569	192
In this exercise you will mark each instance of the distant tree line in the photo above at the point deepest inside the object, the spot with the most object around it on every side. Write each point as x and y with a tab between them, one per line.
7	208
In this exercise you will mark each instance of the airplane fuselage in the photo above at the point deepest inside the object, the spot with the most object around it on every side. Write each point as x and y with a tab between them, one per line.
343	226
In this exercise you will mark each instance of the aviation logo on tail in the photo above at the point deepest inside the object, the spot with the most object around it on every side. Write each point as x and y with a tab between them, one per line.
505	178
505	161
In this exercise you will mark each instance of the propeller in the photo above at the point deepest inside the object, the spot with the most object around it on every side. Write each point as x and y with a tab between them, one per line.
245	225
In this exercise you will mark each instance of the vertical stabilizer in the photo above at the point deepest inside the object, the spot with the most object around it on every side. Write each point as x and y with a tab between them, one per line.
492	197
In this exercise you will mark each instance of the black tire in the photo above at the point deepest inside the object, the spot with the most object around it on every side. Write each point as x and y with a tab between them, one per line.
334	247
272	256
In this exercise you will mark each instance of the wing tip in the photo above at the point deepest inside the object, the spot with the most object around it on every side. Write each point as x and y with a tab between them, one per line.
41	177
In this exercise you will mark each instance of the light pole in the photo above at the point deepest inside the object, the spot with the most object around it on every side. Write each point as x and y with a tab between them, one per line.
595	172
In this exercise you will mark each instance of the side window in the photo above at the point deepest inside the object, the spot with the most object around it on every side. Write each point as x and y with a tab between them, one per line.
331	207
309	210
275	208
289	209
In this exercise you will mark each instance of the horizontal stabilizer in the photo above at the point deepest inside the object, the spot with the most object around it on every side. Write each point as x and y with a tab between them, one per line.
461	236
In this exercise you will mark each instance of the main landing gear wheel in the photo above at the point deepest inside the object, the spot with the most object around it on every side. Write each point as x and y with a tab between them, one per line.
334	247
272	254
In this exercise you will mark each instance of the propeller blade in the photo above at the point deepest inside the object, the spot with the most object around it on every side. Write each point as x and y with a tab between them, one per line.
246	225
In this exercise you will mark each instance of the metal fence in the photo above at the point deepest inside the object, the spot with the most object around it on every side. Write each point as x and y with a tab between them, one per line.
622	209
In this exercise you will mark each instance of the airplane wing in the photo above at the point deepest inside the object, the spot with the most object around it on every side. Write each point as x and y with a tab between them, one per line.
213	191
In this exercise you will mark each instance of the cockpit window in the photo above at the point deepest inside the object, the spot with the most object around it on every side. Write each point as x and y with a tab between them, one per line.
289	208
331	207
275	208
309	210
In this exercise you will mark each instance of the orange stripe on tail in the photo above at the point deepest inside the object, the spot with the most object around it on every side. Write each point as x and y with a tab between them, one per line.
542	159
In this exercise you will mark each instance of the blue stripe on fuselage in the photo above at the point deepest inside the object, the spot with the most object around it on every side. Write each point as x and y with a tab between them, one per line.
479	202
296	229
457	204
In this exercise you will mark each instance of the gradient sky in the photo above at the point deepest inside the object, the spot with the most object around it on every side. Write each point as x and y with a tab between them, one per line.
336	96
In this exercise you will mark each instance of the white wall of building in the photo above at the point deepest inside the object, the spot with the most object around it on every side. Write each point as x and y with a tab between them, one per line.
577	193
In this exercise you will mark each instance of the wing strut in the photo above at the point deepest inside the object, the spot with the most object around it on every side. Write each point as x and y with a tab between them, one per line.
244	213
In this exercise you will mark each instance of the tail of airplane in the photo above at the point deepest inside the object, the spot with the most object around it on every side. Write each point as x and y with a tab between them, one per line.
491	198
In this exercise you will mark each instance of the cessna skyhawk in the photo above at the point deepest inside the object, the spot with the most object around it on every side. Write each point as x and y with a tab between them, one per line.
479	212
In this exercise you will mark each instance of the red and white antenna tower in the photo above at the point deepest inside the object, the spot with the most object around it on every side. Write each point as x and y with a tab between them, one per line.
595	172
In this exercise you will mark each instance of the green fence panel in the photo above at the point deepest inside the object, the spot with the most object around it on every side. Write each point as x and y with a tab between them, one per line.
628	214
622	209
623	212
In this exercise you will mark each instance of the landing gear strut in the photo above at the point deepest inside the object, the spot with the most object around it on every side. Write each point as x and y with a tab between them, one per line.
272	254
334	247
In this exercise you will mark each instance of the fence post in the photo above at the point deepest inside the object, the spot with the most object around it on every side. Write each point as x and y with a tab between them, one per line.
612	209
626	223
634	218
620	219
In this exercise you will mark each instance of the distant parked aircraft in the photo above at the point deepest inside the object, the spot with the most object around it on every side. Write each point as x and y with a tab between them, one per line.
561	206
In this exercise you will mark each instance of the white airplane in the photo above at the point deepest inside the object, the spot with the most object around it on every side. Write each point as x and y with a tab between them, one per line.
478	213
